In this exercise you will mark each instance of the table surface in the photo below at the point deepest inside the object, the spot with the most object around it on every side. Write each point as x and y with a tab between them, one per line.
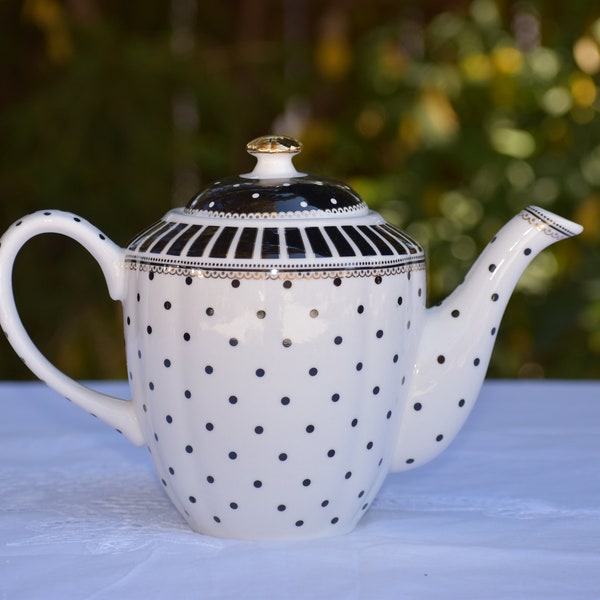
511	510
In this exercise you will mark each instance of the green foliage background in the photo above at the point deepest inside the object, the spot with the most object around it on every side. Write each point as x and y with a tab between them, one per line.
447	117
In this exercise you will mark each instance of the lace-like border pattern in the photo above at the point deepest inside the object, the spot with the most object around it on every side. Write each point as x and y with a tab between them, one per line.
543	223
296	214
310	272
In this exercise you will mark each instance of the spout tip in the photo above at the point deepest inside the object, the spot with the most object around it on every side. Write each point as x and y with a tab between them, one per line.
555	222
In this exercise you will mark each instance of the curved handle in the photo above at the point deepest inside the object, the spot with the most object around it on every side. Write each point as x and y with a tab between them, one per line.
118	413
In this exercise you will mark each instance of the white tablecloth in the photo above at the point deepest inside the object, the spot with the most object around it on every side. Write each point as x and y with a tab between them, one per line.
511	510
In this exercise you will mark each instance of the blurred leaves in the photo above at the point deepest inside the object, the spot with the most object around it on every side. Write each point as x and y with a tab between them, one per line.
447	118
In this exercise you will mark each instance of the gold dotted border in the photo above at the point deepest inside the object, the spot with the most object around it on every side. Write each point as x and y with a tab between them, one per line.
545	225
275	273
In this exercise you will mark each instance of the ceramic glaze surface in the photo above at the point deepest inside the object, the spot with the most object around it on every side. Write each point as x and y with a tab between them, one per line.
281	357
270	405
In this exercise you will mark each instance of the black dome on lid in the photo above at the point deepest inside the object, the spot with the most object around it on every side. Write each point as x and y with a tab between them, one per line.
282	197
275	189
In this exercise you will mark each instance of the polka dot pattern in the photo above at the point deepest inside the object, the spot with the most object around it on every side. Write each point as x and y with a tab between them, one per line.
457	342
270	416
323	380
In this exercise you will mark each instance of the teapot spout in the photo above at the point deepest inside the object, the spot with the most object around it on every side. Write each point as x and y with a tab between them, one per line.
459	334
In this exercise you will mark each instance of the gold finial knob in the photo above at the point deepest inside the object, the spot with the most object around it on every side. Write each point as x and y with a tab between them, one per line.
274	144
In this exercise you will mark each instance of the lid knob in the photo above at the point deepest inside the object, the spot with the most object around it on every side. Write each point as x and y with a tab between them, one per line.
274	155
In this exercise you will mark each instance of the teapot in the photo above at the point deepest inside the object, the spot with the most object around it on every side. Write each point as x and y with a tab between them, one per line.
281	357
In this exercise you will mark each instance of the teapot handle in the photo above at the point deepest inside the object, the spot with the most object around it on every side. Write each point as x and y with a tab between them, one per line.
118	413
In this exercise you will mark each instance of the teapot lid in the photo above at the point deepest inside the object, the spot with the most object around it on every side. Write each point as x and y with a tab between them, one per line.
275	189
274	220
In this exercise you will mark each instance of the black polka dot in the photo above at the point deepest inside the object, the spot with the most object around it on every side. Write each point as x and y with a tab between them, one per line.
233	342
208	370
376	390
149	330
455	313
310	428
527	251
216	519
281	507
261	314
495	297
192	499
287	284
285	401
369	445
379	334
492	268
171	470
314	313
210	479
441	359
361	309
150	276
313	371
348	475
233	399
476	362
306	482
210	311
399	301
286	343
337	282
334	520
187	337
259	429
395	359
361	493
338	340
359	366
378	279
169	419
439	438
325	503
410	461
389	414
283	457
188	281
260	372
235	283
167	363
354	422
299	523
461	402
493	331
233	505
335	398
151	385
417	406
189	449
167	305
331	453
257	484
187	394
209	427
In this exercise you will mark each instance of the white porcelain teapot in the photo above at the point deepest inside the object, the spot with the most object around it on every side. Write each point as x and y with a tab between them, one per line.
280	353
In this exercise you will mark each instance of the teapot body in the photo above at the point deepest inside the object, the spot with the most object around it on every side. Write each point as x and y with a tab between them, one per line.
269	399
